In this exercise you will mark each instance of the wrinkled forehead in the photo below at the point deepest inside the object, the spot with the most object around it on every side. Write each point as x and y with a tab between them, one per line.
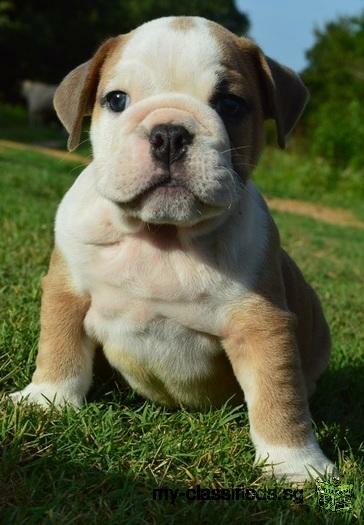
176	54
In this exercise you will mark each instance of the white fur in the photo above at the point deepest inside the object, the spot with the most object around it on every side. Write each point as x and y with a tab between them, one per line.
71	391
158	307
160	59
297	464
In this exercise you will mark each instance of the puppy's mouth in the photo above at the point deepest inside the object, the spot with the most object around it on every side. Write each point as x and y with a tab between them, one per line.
166	187
173	196
169	201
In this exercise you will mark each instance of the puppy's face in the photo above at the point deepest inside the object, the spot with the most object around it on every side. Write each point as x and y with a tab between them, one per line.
177	117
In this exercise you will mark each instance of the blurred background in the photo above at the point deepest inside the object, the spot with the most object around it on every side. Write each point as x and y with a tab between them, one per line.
41	41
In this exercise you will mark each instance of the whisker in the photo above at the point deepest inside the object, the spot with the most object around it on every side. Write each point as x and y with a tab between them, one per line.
84	141
236	148
242	186
77	167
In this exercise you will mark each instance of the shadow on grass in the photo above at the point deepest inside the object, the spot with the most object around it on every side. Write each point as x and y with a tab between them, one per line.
339	401
43	490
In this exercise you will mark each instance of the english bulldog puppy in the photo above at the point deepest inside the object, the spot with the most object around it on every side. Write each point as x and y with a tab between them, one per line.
165	252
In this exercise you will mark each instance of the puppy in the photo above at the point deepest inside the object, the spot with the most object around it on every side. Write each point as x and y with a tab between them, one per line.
166	254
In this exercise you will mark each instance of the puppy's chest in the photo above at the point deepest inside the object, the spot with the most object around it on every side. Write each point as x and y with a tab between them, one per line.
137	288
157	315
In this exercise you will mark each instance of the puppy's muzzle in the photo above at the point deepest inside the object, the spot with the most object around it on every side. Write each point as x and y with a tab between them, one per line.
169	142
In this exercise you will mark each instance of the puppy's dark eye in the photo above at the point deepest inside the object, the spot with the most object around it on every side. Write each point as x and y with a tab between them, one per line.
231	107
116	100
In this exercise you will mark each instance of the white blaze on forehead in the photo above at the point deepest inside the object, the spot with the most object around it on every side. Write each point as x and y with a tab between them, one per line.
160	57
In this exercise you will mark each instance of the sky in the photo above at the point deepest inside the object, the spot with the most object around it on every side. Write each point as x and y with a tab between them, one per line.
284	28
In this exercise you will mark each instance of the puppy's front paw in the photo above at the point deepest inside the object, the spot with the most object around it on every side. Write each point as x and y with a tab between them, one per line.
296	464
44	394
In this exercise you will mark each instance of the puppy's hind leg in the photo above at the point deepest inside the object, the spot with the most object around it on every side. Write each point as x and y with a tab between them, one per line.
313	334
64	363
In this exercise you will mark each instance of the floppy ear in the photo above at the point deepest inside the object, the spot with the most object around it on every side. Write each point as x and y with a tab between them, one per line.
285	96
75	96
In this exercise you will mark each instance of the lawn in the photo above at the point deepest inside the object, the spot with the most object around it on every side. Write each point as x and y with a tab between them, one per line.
100	465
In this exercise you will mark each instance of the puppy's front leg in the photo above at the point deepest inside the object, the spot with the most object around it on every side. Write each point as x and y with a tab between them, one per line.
261	345
64	362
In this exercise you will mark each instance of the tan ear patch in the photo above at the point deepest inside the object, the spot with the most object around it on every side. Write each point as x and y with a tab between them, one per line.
75	96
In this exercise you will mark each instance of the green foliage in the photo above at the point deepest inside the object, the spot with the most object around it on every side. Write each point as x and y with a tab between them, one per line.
43	40
339	133
335	77
336	63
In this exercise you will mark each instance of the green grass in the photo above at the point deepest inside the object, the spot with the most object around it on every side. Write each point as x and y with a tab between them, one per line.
295	174
14	125
99	465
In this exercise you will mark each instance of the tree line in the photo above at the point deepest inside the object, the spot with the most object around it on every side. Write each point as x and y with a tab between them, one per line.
43	40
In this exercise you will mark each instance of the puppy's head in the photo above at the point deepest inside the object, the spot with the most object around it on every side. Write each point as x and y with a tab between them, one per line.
177	116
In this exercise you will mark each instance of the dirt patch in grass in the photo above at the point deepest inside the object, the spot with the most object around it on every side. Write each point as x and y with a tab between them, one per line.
55	153
336	216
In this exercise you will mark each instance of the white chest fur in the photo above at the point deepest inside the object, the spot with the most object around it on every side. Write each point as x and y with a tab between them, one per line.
157	310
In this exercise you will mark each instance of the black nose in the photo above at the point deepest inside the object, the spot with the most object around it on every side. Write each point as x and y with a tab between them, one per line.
169	142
